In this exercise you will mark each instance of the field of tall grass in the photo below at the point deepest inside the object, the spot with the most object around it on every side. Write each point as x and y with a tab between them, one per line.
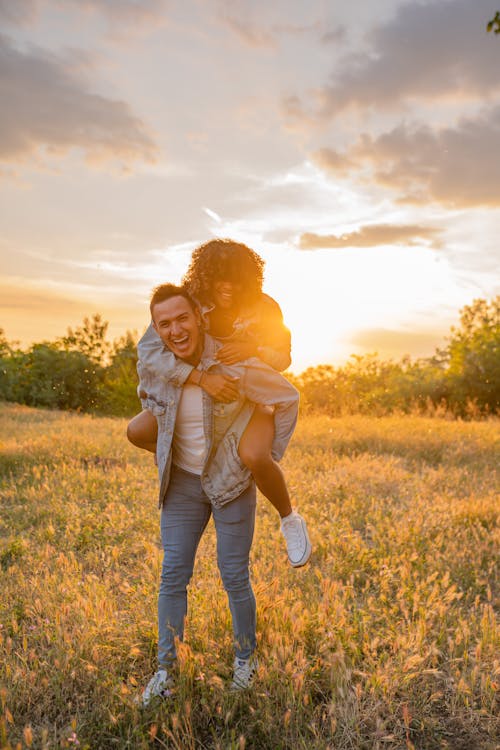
389	638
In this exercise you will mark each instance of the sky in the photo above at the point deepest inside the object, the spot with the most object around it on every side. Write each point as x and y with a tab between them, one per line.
353	145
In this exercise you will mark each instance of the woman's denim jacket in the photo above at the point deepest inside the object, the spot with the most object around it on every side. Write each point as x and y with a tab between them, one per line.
224	477
261	324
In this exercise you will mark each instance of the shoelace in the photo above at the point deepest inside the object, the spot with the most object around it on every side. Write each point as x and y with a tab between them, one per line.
293	530
160	684
243	671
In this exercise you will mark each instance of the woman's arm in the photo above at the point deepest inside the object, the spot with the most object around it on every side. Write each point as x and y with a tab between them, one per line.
264	335
156	358
274	338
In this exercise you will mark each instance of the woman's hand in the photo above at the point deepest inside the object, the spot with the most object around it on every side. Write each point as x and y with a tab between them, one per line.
230	354
220	387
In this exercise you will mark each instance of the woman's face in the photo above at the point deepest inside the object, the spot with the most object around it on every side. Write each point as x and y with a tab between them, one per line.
225	294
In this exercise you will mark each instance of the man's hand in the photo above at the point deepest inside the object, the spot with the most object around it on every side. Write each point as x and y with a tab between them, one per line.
230	354
220	387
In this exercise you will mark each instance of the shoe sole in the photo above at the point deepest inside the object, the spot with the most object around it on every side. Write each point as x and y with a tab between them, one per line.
155	699
240	688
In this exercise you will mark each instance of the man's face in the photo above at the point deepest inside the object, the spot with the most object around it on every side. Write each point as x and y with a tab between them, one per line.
178	326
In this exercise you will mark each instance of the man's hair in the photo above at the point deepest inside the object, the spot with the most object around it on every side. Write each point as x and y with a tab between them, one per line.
166	291
224	260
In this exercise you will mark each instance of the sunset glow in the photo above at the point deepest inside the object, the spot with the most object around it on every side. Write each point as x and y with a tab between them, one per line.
352	146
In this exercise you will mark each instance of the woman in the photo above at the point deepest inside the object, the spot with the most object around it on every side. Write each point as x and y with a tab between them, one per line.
225	277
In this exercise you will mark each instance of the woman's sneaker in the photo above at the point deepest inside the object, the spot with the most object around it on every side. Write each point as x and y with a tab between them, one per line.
294	529
244	673
159	686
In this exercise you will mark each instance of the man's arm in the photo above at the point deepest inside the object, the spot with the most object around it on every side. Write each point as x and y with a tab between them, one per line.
157	359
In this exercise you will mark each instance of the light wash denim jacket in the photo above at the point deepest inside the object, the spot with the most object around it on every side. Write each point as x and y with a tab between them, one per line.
261	323
224	477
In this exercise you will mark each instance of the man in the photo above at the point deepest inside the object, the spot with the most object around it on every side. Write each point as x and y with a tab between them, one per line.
201	474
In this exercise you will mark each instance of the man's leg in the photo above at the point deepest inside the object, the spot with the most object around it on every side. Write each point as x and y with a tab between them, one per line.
234	524
184	516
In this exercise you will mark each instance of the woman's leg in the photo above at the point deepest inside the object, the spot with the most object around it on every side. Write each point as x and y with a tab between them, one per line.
142	431
255	452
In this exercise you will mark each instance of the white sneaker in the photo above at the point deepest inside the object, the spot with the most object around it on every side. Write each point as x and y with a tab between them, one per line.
294	529
244	672
159	686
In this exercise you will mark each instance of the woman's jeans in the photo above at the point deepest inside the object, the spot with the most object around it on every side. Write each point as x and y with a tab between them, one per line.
185	514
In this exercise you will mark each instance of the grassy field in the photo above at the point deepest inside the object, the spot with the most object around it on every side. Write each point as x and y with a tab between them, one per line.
388	639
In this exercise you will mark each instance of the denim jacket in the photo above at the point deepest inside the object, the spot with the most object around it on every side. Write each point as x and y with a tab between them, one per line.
224	477
262	324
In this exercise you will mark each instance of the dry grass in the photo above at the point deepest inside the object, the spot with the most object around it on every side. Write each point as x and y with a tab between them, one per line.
388	639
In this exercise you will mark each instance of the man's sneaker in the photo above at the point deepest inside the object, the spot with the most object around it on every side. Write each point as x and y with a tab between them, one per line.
159	686
244	672
294	529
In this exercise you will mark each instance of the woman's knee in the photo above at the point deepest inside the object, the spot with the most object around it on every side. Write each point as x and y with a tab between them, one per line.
255	457
132	433
142	429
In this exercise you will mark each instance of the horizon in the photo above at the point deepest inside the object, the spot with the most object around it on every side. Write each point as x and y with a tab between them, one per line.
352	147
114	339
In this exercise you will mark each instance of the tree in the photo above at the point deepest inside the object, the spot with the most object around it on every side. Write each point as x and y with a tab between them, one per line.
494	24
89	339
120	378
474	357
4	344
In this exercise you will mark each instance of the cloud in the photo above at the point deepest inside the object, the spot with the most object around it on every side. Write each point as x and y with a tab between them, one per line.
18	13
332	161
13	298
35	312
248	33
426	51
47	105
130	12
395	343
267	32
372	235
455	166
334	36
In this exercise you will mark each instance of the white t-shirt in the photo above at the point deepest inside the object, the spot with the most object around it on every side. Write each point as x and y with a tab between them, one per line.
189	450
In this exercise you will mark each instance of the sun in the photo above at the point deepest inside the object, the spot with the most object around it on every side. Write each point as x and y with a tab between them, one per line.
327	296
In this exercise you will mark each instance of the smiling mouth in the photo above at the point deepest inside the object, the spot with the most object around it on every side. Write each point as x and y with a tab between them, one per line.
180	342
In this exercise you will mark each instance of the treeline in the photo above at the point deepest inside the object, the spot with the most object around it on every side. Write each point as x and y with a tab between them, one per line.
83	371
80	371
461	379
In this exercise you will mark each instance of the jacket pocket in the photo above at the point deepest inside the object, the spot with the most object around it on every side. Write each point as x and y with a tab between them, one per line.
234	456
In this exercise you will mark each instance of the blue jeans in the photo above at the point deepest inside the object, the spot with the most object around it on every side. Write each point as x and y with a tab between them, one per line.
184	517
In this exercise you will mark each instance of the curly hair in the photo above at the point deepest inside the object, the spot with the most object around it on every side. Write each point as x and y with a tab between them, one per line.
224	260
